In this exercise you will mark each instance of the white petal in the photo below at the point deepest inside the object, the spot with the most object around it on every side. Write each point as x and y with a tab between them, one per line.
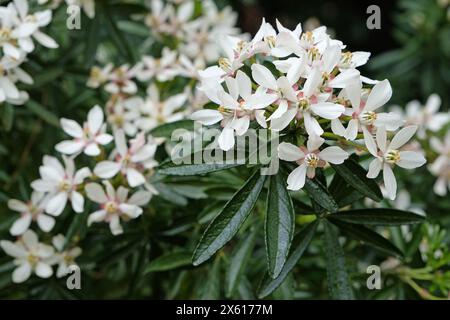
207	117
389	181
72	128
314	142
43	270
328	110
374	168
69	146
95	192
20	225
114	225
352	130
92	149
30	239
296	179
411	160
134	178
104	139
96	216
370	142
226	139
77	201
45	222
282	122
381	138
333	155
95	119
21	273
45	40
12	249
245	84
312	126
289	152
56	204
107	169
263	76
345	78
17	205
240	125
140	198
380	94
402	137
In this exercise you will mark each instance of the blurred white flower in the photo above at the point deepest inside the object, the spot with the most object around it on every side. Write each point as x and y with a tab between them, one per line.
30	256
32	210
441	166
64	258
115	205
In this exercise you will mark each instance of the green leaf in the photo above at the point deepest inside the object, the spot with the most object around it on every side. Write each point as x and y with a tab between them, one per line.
230	219
355	176
238	262
7	116
211	289
378	217
169	261
280	224
173	169
42	112
299	244
368	236
337	277
166	129
318	192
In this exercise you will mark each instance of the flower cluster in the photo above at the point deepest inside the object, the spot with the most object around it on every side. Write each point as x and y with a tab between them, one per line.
305	81
19	28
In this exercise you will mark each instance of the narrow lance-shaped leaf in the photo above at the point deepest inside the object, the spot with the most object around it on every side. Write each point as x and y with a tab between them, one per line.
280	224
239	261
367	236
378	217
337	277
299	244
355	175
227	223
169	261
165	130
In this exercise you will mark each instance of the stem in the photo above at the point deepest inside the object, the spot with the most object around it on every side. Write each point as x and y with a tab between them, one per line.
333	136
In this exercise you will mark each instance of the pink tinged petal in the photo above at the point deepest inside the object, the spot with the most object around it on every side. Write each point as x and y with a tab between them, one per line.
110	192
95	192
140	198
333	155
12	249
337	127
328	110
411	160
260	118
289	152
30	239
92	149
56	204
135	178
21	273
121	142
70	146
145	153
345	78
45	40
314	142
311	172
107	169
389	181
72	128
42	186
20	225
43	270
312	126
402	137
263	77
104	139
226	139
380	94
50	173
114	225
374	168
17	205
233	88
370	142
77	201
95	119
245	85
381	138
96	216
296	179
312	82
46	223
207	117
282	122
122	194
352	130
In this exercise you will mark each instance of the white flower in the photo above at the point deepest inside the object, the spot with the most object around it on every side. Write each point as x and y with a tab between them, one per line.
160	68
115	205
61	184
131	161
363	112
64	257
31	211
123	114
234	112
441	166
387	155
309	159
120	81
99	76
30	256
86	138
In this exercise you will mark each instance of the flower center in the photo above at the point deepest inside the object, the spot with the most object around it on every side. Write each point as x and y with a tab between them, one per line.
225	64
64	185
346	58
313	53
312	160
111	207
270	41
392	156
32	259
303	104
369	117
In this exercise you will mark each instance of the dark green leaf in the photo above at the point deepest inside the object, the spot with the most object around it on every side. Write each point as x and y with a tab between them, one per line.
193	169
355	175
166	129
42	112
280	224
170	261
378	217
230	219
318	192
299	244
367	236
337	277
211	289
